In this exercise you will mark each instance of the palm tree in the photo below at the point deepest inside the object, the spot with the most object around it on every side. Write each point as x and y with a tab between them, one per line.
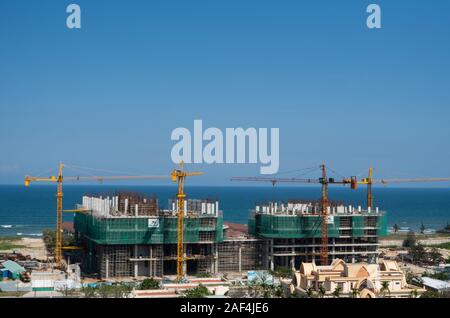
414	293
337	292
384	288
355	292
322	291
396	227
422	228
310	292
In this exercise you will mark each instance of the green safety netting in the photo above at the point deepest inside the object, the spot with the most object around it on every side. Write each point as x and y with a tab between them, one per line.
310	226
139	231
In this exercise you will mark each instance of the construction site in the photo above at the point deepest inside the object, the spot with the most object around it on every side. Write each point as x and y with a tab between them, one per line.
133	236
293	232
128	235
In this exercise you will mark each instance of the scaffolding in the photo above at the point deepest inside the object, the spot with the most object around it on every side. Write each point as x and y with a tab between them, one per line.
127	235
308	226
140	230
241	255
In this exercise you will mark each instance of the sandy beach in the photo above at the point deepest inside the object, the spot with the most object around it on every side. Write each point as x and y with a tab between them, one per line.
34	247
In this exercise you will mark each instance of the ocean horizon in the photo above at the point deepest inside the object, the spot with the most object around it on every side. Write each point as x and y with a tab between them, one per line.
28	211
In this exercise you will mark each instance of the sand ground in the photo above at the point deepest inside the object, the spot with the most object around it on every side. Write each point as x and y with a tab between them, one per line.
428	241
34	247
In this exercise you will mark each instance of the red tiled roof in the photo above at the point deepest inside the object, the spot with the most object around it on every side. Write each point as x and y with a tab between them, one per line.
68	226
236	229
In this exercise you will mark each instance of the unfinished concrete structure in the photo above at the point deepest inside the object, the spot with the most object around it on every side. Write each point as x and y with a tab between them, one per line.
128	235
292	232
239	252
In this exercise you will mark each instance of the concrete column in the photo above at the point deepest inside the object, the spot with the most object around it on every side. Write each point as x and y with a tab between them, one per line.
353	249
185	261
272	265
216	258
135	263
313	257
293	252
212	266
240	259
107	267
333	249
150	263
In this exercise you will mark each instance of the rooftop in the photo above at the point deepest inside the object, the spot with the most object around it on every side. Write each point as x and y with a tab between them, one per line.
13	267
236	230
299	207
435	283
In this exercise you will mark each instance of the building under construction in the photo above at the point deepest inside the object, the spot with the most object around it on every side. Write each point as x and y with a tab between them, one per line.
293	232
129	235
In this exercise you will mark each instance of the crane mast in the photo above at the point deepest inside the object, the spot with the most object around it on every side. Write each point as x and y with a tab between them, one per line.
59	201
324	246
59	212
324	181
179	176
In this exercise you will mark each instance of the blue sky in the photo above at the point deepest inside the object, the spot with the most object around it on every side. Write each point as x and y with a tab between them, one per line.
109	95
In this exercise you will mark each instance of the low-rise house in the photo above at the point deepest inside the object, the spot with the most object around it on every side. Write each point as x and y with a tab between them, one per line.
11	270
340	279
435	284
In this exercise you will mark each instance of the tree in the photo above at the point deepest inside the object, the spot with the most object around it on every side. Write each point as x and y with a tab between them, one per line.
322	291
104	291
263	286
123	290
418	253
149	283
89	292
422	229
447	227
396	228
337	292
282	272
49	237
355	292
410	240
384	288
414	293
409	277
431	294
120	290
68	292
435	256
204	275
198	292
310	292
439	275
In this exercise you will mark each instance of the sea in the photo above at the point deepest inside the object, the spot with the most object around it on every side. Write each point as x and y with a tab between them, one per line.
27	211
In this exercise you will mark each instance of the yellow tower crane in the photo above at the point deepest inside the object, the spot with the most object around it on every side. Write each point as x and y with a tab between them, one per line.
325	182
370	181
59	201
179	176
